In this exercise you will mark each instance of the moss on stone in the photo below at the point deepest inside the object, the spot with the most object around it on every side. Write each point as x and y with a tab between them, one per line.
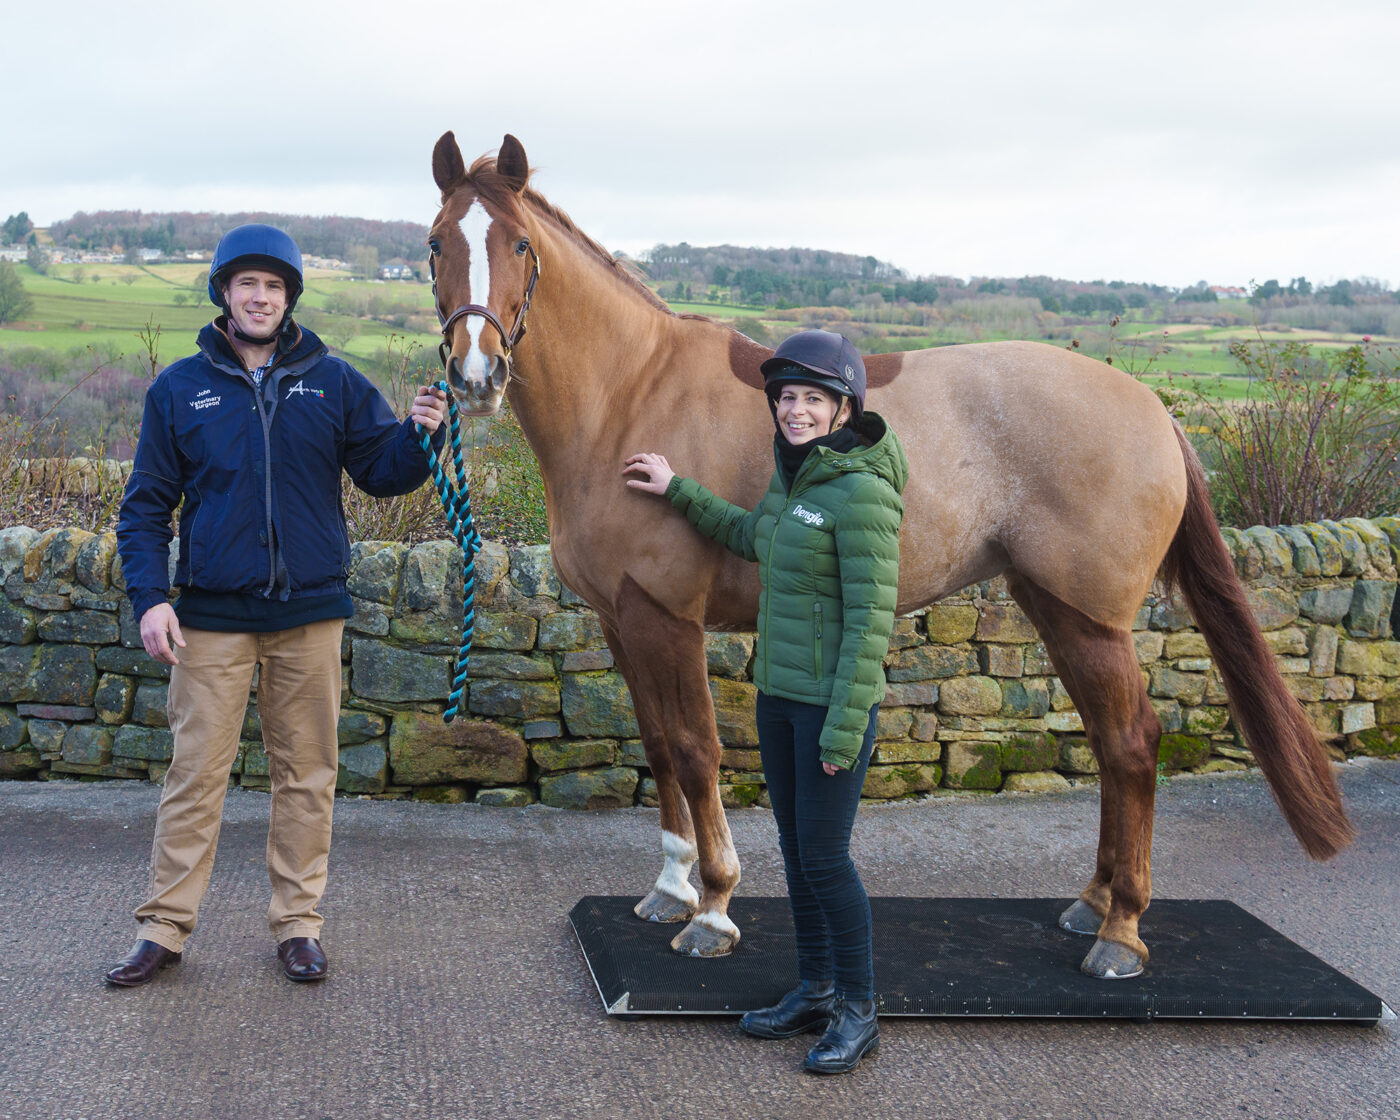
1181	752
974	765
506	797
1379	742
440	794
739	795
902	780
1031	752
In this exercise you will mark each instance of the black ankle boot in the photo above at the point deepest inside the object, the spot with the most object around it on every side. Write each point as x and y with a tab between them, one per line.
853	1034
808	1007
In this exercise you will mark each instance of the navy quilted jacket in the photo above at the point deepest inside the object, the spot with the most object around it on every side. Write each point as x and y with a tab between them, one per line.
259	470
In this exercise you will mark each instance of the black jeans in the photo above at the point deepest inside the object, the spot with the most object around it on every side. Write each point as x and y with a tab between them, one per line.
815	811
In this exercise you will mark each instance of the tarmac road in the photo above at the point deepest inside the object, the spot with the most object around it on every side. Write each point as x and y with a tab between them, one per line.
458	990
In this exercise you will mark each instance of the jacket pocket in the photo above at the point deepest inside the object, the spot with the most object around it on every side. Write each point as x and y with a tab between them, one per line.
188	562
817	640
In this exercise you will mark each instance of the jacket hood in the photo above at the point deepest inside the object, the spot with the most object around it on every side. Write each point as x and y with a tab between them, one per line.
883	457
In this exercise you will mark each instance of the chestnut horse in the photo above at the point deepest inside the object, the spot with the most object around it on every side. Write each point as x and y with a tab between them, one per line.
1058	471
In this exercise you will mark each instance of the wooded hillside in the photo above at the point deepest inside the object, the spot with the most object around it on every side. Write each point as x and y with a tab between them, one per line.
177	233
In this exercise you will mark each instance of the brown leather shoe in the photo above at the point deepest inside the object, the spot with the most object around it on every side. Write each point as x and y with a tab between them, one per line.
302	959
141	964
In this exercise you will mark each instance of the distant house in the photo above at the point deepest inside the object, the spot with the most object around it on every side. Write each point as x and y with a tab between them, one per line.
397	272
150	255
1229	293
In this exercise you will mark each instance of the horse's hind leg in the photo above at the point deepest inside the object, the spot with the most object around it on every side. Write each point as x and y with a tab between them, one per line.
672	898
1099	669
665	656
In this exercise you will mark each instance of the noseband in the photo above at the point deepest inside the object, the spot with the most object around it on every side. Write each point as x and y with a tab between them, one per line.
508	338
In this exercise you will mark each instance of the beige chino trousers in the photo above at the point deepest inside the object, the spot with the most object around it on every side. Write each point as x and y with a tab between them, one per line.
298	705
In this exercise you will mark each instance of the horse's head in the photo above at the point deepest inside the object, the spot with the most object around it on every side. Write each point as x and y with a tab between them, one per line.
484	268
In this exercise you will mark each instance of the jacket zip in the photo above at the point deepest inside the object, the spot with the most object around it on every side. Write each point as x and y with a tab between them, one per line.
806	469
768	597
266	426
265	423
817	619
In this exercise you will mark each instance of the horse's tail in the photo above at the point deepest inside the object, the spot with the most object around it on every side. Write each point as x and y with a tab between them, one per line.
1272	721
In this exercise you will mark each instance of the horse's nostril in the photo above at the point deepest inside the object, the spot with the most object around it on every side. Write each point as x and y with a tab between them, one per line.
498	373
455	381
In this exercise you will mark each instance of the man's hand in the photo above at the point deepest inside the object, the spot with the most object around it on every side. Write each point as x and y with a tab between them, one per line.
429	409
159	627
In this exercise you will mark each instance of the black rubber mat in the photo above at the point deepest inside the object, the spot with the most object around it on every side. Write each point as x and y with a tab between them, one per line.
999	957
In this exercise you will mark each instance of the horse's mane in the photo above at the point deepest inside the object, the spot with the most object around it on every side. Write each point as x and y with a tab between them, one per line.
491	185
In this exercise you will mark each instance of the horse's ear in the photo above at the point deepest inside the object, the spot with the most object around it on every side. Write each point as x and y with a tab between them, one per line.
448	168
511	163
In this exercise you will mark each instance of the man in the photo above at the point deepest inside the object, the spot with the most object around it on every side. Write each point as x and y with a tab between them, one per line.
253	433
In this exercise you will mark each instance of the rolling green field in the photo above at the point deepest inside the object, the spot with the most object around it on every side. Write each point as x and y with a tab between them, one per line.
103	307
716	310
107	315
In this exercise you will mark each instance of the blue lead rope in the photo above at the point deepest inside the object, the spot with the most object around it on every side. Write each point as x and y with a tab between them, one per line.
458	507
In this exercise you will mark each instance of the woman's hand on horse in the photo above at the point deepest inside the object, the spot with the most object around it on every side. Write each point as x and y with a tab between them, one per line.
658	472
429	409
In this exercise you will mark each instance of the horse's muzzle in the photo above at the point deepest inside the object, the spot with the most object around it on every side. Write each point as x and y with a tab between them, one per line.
478	392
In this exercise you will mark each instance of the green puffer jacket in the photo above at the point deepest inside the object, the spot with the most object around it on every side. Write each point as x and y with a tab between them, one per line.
828	556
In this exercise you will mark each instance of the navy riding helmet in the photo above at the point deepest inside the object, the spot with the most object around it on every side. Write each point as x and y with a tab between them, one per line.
821	358
256	246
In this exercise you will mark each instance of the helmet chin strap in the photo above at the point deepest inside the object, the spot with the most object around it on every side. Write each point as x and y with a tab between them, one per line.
238	333
252	339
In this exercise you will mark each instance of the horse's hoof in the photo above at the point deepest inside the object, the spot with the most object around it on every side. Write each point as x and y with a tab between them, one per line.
1081	918
703	940
1108	960
658	907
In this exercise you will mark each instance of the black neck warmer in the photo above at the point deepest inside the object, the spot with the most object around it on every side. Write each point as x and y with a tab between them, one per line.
791	456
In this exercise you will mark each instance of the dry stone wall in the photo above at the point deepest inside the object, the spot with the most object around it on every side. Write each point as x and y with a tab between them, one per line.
973	701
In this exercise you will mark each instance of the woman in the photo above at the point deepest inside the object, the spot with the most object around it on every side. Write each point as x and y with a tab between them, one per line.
826	538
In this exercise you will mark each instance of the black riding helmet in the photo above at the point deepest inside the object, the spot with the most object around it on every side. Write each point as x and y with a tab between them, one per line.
821	358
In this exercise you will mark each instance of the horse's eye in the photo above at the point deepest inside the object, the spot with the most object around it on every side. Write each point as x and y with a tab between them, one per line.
522	246
434	246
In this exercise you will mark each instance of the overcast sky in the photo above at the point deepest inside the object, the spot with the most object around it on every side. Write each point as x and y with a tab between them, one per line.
1225	141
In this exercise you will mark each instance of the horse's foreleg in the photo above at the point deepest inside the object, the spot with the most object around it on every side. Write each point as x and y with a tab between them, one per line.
672	898
666	656
1099	669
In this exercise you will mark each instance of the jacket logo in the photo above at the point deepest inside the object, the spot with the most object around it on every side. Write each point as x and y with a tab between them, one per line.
807	515
301	388
203	400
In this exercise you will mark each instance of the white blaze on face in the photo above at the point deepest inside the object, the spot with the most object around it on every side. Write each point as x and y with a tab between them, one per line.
474	225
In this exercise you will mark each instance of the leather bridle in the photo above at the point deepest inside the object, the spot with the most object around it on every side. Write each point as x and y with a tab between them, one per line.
508	338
